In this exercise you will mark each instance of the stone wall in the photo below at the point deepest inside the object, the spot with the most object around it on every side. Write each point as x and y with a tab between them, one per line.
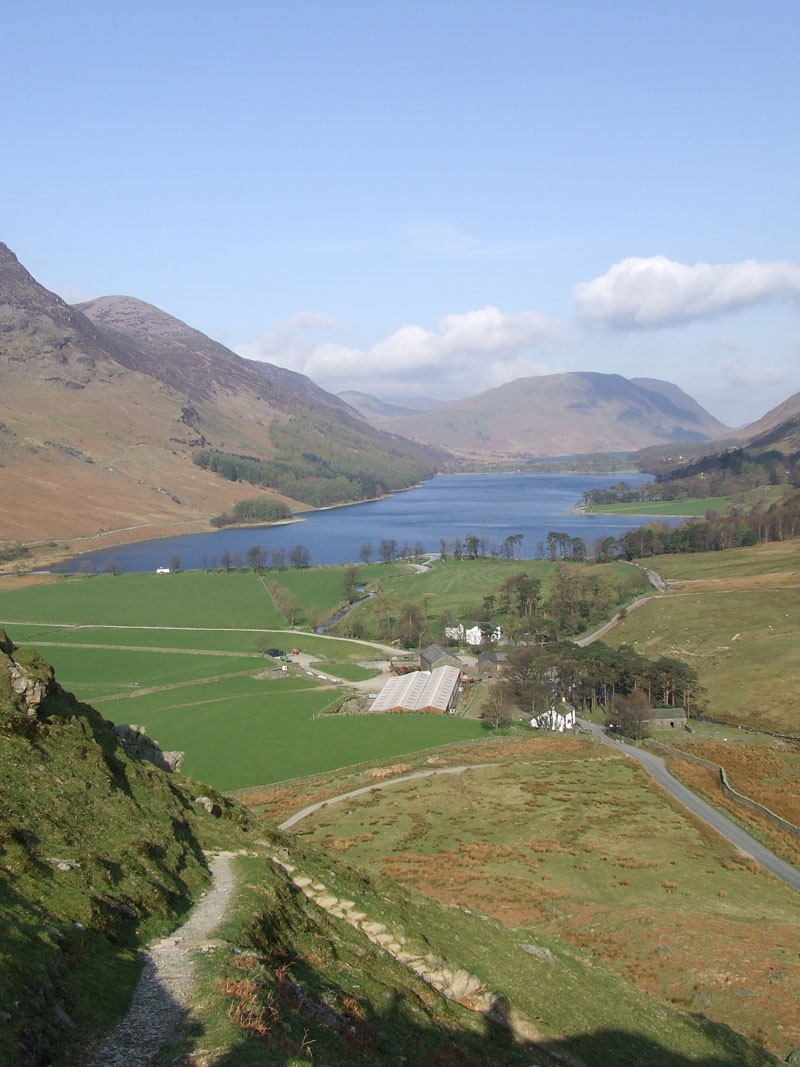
728	789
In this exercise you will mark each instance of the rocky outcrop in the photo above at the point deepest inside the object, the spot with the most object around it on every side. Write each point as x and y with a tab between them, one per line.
139	746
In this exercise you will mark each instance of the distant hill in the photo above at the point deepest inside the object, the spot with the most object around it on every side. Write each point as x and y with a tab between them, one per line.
377	411
104	404
779	428
562	414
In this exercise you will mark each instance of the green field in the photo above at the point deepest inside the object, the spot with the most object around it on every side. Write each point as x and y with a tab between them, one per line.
91	673
190	598
186	638
236	731
320	590
773	558
244	731
456	589
687	507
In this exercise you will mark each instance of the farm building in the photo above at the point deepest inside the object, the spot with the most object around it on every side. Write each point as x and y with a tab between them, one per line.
665	718
559	719
490	662
429	691
435	656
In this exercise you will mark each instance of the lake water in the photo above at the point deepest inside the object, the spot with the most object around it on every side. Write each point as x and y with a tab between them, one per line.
490	506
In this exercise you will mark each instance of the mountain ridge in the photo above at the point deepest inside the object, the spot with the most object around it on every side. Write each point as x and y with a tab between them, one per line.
560	414
104	403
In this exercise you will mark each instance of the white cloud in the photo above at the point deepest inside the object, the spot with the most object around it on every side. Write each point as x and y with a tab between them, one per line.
468	352
645	292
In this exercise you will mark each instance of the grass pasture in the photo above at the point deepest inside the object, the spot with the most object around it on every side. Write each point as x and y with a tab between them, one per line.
585	847
457	588
575	1009
320	590
667	508
742	641
247	731
189	598
92	673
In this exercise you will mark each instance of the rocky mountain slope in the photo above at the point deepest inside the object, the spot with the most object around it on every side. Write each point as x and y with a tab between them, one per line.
562	414
102	407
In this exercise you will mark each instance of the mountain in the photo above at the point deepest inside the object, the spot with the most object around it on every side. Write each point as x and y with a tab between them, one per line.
562	414
779	428
377	411
103	406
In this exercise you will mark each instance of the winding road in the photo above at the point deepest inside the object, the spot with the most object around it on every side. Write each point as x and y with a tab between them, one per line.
703	810
652	763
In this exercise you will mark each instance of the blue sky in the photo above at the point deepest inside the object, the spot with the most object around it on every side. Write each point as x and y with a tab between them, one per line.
424	198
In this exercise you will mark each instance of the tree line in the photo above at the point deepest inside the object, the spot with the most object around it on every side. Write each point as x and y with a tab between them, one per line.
619	681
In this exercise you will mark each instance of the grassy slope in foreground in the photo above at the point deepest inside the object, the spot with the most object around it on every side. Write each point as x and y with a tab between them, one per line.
134	836
315	983
734	616
566	841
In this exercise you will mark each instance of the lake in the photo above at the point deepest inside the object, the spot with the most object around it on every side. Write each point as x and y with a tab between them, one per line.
490	506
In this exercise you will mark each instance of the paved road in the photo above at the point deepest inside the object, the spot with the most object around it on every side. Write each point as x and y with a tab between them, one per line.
729	830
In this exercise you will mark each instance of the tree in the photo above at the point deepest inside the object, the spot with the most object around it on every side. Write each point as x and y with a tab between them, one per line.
472	543
411	625
300	557
278	558
630	716
225	560
175	563
387	550
256	557
112	567
365	552
285	601
350	583
499	704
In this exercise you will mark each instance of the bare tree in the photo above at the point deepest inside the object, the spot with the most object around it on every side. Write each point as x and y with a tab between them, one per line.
256	557
175	563
350	583
387	550
300	557
365	552
278	558
499	705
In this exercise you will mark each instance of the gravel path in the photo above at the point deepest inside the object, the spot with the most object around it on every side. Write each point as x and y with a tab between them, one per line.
163	994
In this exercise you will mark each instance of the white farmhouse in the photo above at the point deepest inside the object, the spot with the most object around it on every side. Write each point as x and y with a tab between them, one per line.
558	719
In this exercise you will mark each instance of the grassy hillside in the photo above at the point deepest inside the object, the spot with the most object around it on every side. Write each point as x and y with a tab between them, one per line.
734	616
564	845
554	878
99	852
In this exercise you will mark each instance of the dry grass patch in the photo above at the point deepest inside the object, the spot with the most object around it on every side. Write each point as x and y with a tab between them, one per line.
609	862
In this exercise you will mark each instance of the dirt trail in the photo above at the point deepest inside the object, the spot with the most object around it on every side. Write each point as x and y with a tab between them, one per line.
163	995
